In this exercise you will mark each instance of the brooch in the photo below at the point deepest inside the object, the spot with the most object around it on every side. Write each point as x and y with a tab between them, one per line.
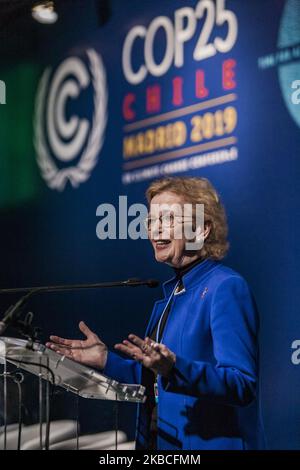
204	292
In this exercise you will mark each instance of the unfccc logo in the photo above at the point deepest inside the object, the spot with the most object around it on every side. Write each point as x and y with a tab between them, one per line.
72	147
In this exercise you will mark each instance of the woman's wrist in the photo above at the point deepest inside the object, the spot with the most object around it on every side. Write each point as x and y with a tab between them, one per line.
169	367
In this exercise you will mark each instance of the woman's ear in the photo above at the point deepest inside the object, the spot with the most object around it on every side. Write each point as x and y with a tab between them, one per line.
199	238
207	229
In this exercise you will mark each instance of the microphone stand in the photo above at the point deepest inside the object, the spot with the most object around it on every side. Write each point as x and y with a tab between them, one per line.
12	314
12	317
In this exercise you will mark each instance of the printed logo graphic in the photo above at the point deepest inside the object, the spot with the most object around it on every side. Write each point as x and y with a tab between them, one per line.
286	58
67	145
289	41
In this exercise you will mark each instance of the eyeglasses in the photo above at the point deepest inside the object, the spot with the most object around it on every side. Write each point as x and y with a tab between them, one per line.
166	220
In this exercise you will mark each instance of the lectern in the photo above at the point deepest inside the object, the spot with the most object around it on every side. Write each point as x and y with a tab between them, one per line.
57	370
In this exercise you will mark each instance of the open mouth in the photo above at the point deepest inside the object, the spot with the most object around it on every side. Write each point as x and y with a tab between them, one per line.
160	243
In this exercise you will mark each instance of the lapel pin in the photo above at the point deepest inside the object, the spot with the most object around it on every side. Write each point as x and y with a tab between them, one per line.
204	292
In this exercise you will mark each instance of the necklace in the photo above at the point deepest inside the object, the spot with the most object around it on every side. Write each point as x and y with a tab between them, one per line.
155	385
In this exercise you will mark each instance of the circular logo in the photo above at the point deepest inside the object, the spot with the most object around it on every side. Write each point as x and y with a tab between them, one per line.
289	36
75	138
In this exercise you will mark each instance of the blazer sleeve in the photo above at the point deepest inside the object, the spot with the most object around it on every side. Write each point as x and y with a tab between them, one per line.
234	327
122	370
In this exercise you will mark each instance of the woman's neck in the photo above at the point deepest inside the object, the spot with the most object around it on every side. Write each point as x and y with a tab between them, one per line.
184	269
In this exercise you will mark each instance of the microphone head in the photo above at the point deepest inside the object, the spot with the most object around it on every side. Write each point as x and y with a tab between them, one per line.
135	282
153	283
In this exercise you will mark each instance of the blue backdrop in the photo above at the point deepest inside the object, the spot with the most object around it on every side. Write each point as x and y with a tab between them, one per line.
218	84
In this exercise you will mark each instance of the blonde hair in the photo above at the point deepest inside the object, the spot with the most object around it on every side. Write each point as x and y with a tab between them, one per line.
199	191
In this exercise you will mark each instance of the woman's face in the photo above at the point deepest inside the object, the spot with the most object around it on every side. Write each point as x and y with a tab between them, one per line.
168	248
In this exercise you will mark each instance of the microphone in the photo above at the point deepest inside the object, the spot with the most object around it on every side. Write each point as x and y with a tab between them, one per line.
136	283
14	311
153	283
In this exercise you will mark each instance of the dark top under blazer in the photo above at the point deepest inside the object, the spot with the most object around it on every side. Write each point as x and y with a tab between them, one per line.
211	399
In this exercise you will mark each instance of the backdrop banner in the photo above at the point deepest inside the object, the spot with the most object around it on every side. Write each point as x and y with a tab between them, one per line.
109	99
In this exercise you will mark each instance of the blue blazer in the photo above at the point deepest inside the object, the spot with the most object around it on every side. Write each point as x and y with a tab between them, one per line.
211	399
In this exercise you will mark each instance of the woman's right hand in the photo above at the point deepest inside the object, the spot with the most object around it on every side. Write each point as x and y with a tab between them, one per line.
91	351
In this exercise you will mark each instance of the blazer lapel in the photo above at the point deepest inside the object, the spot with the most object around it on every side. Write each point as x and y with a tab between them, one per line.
156	312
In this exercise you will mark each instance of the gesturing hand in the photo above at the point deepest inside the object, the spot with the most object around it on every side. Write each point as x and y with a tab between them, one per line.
154	356
91	351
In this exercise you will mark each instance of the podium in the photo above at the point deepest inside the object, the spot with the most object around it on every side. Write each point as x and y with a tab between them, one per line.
55	370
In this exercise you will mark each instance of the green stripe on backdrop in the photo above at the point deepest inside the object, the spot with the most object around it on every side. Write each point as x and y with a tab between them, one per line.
19	176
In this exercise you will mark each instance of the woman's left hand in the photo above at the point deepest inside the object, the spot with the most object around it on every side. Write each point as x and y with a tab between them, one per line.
154	356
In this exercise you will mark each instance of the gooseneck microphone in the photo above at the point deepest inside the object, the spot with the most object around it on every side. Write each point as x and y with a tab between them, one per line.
14	311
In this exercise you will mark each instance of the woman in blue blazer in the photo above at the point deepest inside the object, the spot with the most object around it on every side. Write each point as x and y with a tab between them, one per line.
199	357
